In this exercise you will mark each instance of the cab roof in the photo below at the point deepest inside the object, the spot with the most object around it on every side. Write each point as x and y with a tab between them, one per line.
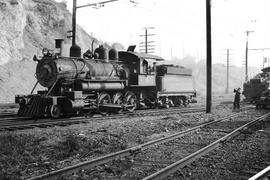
125	54
267	69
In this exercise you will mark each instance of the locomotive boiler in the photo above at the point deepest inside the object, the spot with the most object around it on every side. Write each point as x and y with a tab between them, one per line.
103	82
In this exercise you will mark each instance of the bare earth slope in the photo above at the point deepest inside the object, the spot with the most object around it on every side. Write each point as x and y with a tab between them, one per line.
27	26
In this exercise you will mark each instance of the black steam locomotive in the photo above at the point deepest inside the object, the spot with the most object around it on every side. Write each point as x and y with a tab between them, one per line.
104	81
257	89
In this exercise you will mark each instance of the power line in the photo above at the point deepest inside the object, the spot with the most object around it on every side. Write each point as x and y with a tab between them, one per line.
96	4
74	11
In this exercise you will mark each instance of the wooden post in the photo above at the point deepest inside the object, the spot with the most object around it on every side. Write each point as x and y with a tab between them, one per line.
74	23
209	58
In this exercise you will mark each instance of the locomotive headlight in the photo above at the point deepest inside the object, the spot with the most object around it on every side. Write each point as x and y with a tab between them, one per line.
46	72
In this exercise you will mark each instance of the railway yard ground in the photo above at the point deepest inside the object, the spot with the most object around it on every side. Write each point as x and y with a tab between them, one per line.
33	152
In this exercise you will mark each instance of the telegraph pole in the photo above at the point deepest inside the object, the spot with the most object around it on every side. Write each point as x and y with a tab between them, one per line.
261	49
146	35
264	61
228	68
74	22
74	10
246	64
147	46
209	58
227	88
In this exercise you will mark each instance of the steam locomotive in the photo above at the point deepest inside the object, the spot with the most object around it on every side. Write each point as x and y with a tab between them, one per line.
103	82
257	89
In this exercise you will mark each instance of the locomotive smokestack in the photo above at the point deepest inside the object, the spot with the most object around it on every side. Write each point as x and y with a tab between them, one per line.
59	46
75	51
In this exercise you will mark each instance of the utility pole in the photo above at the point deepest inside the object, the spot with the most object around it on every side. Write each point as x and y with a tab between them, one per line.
246	64
261	49
146	36
228	73
147	46
74	10
264	61
227	88
208	58
74	22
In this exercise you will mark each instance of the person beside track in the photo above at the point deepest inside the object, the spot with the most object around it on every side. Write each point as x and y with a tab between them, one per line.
236	102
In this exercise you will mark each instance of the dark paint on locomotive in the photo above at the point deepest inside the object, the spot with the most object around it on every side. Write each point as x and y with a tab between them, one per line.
76	85
113	54
75	51
257	89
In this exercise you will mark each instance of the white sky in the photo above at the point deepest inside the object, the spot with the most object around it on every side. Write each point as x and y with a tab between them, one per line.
180	26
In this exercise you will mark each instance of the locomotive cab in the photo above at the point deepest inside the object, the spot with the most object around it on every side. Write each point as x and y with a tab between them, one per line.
142	68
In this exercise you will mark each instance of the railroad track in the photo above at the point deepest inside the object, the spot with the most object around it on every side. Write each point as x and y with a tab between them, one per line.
136	156
11	121
258	172
7	114
15	123
165	172
262	175
260	168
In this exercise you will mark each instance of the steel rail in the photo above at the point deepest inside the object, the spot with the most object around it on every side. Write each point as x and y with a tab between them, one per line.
263	174
76	120
163	173
7	114
120	154
14	118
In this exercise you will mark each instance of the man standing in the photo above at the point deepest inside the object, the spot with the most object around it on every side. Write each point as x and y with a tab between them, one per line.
236	102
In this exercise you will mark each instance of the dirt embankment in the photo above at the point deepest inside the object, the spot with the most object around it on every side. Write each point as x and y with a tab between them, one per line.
26	28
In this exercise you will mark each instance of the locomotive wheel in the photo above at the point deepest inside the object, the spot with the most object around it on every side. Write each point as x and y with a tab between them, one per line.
104	98
47	111
55	111
178	101
131	100
185	102
118	99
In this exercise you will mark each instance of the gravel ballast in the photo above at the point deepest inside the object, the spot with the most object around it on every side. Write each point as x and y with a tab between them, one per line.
33	152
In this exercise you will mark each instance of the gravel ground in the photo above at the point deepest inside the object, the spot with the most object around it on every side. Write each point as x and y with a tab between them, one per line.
246	153
33	152
153	159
